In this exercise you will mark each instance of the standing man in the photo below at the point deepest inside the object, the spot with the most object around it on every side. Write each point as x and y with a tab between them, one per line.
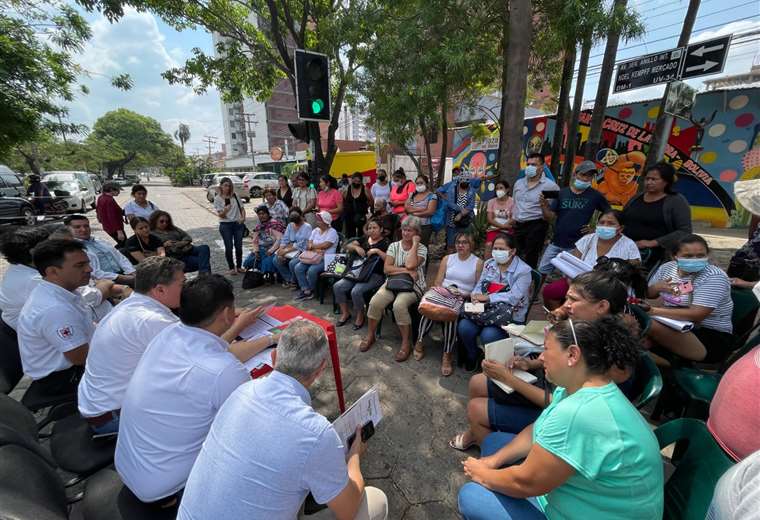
107	262
528	217
39	193
268	448
122	337
55	326
110	214
572	210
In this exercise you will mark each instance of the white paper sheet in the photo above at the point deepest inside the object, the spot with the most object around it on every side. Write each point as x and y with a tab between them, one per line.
260	327
570	265
365	409
502	351
262	358
679	325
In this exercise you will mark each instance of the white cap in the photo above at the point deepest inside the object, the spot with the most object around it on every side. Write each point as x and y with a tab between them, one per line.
325	217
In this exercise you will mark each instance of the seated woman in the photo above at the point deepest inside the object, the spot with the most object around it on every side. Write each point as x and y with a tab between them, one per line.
591	296
499	211
505	279
422	204
372	244
265	239
457	274
590	454
407	256
692	290
277	208
744	266
293	241
178	244
608	240
143	243
323	239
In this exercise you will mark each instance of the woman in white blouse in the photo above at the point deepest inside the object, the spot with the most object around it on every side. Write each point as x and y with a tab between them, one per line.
607	240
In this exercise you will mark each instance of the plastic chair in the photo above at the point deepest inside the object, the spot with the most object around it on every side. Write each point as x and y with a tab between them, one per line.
107	498
29	488
690	488
536	278
745	311
11	371
648	381
325	281
645	321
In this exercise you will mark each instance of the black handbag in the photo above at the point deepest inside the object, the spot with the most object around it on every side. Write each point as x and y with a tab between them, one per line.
253	278
246	231
361	272
496	314
398	283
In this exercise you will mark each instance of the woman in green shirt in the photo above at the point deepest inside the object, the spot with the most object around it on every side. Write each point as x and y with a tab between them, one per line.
590	454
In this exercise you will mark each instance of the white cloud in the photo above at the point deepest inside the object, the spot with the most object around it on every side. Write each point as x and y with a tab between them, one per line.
136	45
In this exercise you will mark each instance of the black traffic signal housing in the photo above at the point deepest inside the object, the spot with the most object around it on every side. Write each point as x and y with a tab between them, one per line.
300	131
312	86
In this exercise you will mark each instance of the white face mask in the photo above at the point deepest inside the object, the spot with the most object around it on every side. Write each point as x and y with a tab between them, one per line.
420	188
501	256
500	193
531	171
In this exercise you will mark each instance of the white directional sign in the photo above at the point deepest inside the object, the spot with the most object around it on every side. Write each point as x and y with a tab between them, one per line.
708	57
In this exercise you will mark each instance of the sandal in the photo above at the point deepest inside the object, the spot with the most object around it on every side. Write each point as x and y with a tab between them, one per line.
458	443
403	354
366	344
341	323
419	351
447	366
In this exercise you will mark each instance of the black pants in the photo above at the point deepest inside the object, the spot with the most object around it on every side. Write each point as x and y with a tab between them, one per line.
61	382
529	238
354	225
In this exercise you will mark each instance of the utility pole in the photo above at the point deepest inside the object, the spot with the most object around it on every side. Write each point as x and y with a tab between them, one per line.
664	122
250	119
210	140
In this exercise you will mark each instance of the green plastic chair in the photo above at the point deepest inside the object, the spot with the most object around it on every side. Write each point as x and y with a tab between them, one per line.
536	279
643	317
690	488
651	381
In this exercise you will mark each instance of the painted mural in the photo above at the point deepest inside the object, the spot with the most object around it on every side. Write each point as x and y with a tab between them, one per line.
717	146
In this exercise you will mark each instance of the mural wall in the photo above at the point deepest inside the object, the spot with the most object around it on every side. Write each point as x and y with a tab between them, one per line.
719	145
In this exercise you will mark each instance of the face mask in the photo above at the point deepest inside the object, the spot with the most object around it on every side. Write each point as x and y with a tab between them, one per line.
501	257
295	218
531	171
500	193
606	232
581	185
420	188
464	186
382	178
692	265
356	183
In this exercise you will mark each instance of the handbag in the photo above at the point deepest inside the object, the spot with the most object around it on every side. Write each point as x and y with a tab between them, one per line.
336	266
361	272
253	278
311	257
496	314
246	231
401	282
440	304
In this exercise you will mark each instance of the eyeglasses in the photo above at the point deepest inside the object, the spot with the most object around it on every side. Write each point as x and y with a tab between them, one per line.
462	243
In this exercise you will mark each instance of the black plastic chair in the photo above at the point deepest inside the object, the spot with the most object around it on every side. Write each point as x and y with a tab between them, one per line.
107	498
29	488
11	371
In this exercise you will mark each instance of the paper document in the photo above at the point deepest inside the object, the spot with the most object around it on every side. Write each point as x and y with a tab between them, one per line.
260	328
502	351
570	265
679	325
365	409
259	360
474	307
533	331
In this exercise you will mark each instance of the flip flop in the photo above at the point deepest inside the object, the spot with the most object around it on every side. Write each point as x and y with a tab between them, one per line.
365	345
456	443
419	351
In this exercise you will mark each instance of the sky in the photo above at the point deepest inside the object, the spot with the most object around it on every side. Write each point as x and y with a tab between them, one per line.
143	46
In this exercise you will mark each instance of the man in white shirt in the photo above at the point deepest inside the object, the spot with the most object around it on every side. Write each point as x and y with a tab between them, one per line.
21	277
107	263
55	326
121	338
181	381
268	448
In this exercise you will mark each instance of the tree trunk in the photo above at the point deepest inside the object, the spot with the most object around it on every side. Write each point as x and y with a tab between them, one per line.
428	154
572	129
603	90
504	55
444	145
664	122
414	159
562	108
515	88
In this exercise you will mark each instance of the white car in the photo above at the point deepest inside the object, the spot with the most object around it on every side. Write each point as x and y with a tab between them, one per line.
75	188
256	182
237	186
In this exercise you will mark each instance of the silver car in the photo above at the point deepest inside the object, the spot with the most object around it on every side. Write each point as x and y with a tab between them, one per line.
75	188
237	185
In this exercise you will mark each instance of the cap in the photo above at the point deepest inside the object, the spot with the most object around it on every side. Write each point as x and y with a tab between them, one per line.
585	167
325	217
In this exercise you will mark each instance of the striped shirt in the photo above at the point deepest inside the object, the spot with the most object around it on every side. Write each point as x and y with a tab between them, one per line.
711	289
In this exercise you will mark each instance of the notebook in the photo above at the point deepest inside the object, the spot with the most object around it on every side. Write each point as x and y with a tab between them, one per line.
502	351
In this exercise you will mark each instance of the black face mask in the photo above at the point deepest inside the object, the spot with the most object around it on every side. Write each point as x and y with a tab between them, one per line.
464	186
382	178
294	218
356	183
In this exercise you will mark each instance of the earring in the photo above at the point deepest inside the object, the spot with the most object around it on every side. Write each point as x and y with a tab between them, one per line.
569	363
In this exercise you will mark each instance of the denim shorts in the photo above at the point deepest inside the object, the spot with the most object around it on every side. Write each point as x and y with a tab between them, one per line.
509	412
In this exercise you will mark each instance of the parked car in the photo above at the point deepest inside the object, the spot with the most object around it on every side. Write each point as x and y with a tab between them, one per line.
256	182
11	184
237	185
16	210
75	188
207	179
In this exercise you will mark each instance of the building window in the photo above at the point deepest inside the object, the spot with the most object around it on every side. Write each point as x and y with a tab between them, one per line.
233	135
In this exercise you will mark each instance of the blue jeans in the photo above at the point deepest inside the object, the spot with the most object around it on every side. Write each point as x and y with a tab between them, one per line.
307	275
111	426
286	267
479	503
468	333
266	264
545	265
343	288
232	234
198	259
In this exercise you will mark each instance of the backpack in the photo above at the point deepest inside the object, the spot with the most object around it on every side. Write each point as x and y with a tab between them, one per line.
253	278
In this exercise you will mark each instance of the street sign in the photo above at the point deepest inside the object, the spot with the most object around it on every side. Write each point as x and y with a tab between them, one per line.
652	69
708	57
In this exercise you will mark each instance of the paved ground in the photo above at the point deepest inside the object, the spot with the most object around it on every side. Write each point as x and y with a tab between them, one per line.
408	457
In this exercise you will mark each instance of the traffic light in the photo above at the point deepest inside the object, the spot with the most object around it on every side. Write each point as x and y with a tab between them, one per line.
312	86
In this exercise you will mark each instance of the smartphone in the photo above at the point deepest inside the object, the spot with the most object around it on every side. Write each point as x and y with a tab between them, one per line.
368	430
550	194
227	202
685	287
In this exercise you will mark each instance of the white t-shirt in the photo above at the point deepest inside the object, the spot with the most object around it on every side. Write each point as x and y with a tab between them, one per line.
624	248
18	283
181	381
234	213
53	321
115	350
133	208
317	237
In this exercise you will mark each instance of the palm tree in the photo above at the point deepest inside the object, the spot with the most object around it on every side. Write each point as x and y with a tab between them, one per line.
182	134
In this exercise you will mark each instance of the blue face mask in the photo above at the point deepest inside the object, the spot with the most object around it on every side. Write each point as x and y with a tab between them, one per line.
692	265
530	171
606	232
501	256
581	185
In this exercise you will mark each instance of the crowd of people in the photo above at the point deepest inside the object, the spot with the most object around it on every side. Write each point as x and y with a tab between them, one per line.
95	320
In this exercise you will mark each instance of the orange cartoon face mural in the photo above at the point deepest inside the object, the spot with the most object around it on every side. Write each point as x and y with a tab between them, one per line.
619	181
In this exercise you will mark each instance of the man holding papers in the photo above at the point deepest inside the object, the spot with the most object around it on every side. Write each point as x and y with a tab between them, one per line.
268	448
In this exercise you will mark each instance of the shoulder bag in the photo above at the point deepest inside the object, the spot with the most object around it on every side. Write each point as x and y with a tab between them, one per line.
401	282
246	231
440	304
311	257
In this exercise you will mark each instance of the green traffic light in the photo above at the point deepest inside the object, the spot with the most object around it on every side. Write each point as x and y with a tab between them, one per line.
317	105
